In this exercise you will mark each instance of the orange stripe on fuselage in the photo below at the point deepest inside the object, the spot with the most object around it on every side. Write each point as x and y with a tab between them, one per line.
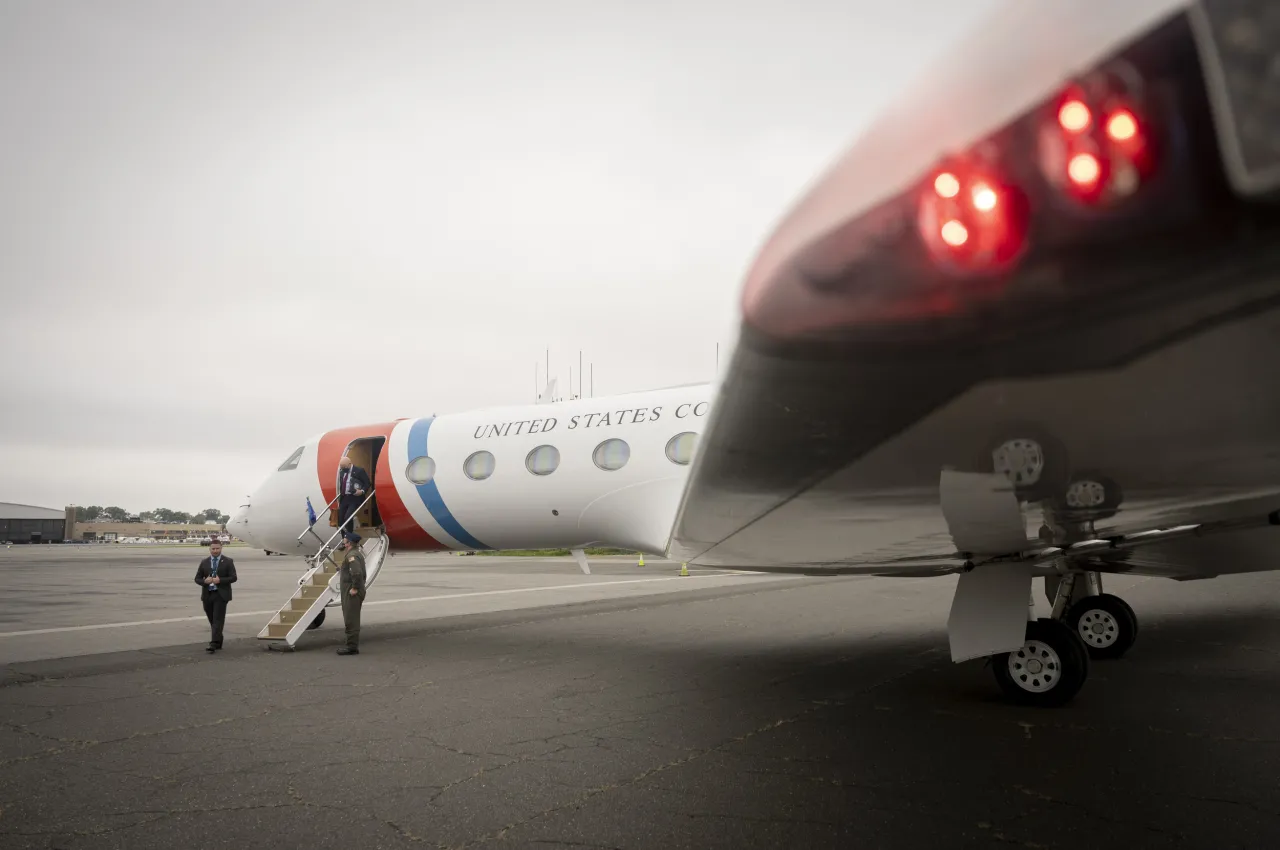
399	524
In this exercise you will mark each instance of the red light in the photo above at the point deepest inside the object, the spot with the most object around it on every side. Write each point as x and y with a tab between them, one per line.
1121	126
954	233
946	185
1074	116
1084	169
984	198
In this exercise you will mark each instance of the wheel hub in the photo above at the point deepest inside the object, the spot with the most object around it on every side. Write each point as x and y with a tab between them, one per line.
1020	460
1098	628
1035	667
1086	494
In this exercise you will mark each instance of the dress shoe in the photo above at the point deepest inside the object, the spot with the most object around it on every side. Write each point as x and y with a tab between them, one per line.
210	648
346	650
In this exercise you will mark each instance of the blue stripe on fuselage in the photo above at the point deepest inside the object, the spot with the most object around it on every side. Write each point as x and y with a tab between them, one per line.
430	493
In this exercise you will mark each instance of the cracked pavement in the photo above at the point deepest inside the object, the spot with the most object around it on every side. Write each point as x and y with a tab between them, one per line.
800	713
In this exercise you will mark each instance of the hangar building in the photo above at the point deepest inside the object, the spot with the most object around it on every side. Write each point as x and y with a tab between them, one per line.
29	524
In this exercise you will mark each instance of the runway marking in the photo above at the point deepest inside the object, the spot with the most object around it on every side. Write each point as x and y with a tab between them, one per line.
166	621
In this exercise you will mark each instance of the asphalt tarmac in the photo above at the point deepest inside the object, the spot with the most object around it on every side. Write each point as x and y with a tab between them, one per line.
713	711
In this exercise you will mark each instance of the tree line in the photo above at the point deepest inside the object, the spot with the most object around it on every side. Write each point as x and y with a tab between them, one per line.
97	513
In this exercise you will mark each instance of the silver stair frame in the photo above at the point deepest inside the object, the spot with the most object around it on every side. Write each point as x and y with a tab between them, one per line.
375	550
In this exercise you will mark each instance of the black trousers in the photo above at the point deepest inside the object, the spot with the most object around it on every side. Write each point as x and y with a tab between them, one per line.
215	608
347	506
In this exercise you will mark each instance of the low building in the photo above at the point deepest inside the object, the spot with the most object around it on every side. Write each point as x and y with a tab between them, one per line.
31	524
110	532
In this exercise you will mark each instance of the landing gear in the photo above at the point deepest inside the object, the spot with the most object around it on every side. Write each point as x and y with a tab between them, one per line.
1048	670
1106	624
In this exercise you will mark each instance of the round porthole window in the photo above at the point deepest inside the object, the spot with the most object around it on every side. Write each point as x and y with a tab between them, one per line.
421	470
479	466
612	454
680	447
543	460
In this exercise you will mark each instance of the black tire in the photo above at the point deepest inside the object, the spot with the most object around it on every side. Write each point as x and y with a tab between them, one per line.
316	623
1047	673
1105	623
1055	467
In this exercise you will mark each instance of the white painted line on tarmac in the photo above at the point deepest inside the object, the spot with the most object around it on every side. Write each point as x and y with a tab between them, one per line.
64	629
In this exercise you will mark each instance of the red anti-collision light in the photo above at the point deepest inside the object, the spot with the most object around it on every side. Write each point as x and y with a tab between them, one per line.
1074	116
1121	126
984	198
954	233
1084	169
946	185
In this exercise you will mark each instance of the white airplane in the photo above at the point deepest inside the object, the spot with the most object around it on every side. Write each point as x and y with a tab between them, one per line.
1027	327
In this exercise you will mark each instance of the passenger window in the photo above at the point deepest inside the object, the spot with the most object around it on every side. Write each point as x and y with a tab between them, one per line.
292	462
680	447
543	460
478	466
612	454
420	470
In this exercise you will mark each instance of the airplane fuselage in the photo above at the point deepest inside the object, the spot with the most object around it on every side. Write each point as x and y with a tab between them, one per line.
597	471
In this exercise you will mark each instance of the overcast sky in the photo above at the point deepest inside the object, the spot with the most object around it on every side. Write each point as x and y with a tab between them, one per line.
204	205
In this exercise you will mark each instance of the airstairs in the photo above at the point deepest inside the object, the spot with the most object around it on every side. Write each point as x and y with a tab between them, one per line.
318	588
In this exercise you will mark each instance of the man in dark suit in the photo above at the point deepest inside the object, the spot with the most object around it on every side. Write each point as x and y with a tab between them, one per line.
353	489
215	575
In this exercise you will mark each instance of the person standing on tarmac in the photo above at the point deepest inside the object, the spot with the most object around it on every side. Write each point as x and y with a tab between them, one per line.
351	577
215	575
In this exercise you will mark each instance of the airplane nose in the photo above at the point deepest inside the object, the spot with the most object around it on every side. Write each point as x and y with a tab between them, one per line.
238	526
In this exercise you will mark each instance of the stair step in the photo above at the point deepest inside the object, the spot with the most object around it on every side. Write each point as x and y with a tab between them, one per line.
278	630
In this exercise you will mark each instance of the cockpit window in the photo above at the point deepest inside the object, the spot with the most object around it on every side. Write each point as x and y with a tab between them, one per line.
292	462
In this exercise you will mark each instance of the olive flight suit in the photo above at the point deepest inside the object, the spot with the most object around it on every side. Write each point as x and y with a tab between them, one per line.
351	575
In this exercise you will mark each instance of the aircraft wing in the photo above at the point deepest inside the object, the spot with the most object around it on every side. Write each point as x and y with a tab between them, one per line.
1086	374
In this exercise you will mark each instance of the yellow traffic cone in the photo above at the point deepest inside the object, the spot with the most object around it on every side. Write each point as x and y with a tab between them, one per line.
642	559
684	569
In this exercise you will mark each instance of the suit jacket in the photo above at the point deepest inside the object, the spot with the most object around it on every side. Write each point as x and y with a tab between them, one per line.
226	576
360	479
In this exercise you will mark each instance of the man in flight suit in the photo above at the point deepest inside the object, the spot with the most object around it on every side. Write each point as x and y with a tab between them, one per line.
215	575
351	576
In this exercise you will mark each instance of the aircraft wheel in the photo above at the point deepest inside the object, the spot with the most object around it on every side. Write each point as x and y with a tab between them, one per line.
315	624
1090	496
1033	459
1106	624
1049	669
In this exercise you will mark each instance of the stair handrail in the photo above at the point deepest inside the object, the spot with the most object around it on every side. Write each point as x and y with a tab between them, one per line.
325	549
311	526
